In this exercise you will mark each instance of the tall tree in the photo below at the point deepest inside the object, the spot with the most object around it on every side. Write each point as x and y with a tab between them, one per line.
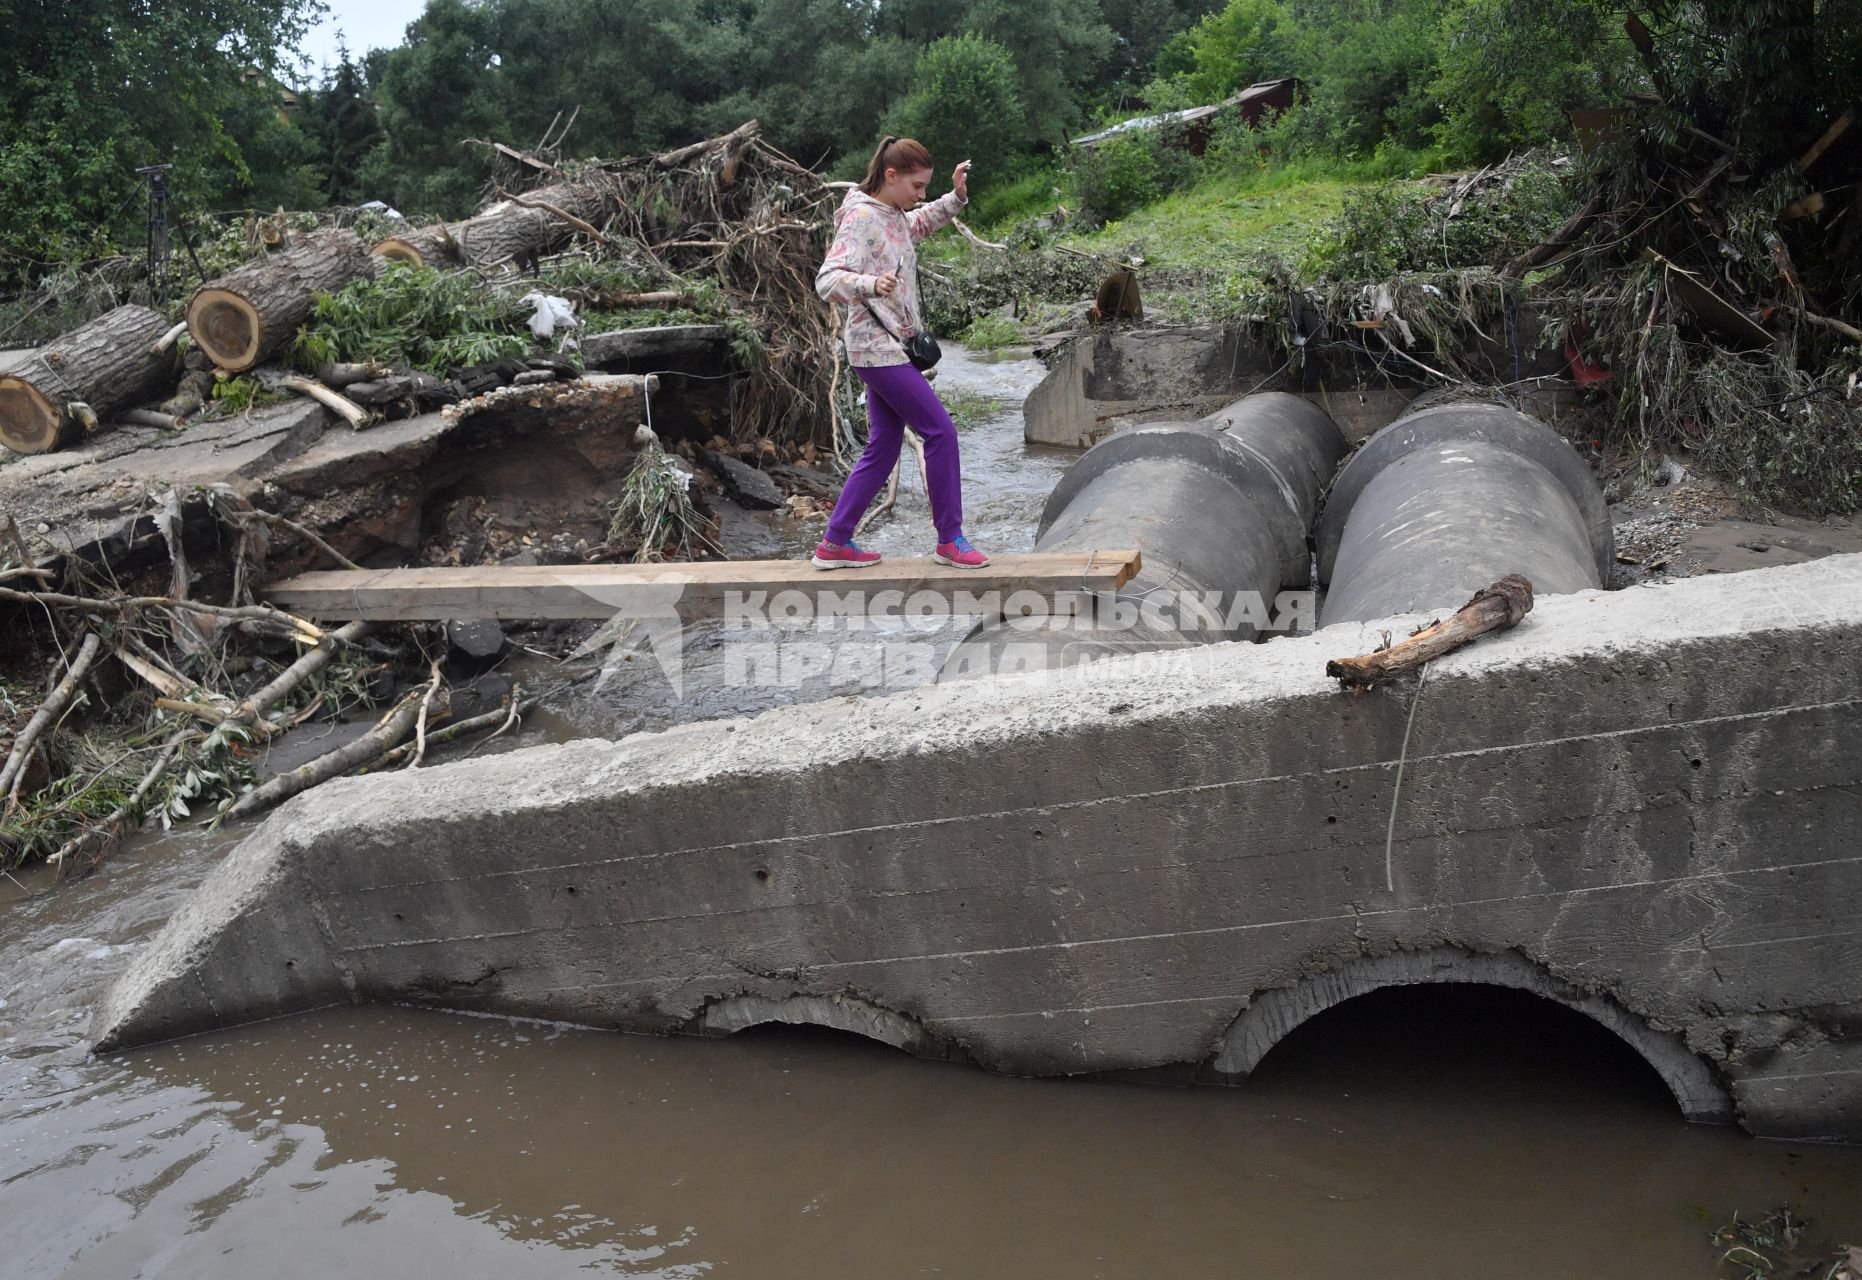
1060	48
341	120
964	105
92	89
637	72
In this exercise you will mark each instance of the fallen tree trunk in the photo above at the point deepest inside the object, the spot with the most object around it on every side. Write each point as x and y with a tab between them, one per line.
1493	608
247	314
433	246
108	364
393	727
544	220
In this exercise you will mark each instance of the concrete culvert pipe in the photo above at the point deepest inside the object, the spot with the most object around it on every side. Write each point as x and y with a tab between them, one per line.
1220	509
1445	501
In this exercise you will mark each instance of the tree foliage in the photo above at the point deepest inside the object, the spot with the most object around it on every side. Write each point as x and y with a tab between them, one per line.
963	104
92	89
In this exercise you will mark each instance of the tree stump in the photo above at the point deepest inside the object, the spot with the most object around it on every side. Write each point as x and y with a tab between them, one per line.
247	314
106	364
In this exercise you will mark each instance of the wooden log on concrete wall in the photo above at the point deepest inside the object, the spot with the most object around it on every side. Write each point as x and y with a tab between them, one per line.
247	314
107	364
546	220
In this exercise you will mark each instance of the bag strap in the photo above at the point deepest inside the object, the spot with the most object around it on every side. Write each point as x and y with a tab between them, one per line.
890	333
882	324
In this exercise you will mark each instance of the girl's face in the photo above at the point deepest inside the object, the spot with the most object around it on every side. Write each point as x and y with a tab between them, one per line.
905	188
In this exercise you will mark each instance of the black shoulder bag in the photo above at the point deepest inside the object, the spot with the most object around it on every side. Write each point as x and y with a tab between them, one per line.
921	348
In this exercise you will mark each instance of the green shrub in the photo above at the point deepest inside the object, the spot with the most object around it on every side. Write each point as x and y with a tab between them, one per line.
1246	41
1130	170
992	332
963	105
1511	69
1392	228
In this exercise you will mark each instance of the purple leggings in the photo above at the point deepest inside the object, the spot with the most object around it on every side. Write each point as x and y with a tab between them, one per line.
897	394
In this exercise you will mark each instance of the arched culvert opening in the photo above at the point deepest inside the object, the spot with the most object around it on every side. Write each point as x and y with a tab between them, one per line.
842	1013
1495	1009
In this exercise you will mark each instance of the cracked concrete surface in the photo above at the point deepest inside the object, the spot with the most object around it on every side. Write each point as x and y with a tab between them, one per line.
1651	797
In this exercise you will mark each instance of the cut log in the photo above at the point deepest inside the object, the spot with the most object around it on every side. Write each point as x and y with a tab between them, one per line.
548	218
1493	608
433	246
247	314
107	364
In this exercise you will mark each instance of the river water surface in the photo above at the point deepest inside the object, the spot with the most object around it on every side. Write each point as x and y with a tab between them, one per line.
1437	1133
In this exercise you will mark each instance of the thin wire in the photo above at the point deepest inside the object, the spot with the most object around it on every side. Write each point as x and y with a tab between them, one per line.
1397	791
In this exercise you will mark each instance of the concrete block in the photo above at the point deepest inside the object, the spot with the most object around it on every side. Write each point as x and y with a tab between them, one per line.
1645	804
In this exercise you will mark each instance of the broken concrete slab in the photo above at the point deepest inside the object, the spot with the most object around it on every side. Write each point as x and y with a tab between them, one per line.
1110	868
366	490
87	500
1128	374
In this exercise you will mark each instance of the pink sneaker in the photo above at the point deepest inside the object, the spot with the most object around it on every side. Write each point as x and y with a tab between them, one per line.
835	555
960	553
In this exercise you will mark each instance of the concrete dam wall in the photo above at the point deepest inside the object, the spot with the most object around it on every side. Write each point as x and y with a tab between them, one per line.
1645	804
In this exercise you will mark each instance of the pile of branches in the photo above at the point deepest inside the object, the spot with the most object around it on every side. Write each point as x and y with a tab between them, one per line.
158	703
1713	266
736	210
731	218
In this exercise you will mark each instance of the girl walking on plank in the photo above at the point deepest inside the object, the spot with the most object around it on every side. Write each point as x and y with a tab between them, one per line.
872	268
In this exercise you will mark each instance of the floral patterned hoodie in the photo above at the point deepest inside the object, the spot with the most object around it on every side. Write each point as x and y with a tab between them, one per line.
871	238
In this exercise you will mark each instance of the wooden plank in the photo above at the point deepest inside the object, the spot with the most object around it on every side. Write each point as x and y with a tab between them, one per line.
517	592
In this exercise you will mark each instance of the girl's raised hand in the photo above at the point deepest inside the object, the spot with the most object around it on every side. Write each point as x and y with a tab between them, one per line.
884	285
960	181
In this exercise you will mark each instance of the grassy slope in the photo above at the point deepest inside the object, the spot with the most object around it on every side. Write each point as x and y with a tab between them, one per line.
1204	244
1228	220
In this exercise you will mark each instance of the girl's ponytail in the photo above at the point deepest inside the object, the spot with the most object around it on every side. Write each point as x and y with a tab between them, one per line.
904	154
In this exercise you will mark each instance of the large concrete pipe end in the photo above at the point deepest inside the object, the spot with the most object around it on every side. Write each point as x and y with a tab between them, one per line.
1448	500
1220	509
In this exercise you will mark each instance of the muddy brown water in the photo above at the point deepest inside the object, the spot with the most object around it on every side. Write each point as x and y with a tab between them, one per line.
1437	1133
1427	1137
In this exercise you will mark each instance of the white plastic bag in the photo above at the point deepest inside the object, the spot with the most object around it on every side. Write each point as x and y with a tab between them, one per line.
552	313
